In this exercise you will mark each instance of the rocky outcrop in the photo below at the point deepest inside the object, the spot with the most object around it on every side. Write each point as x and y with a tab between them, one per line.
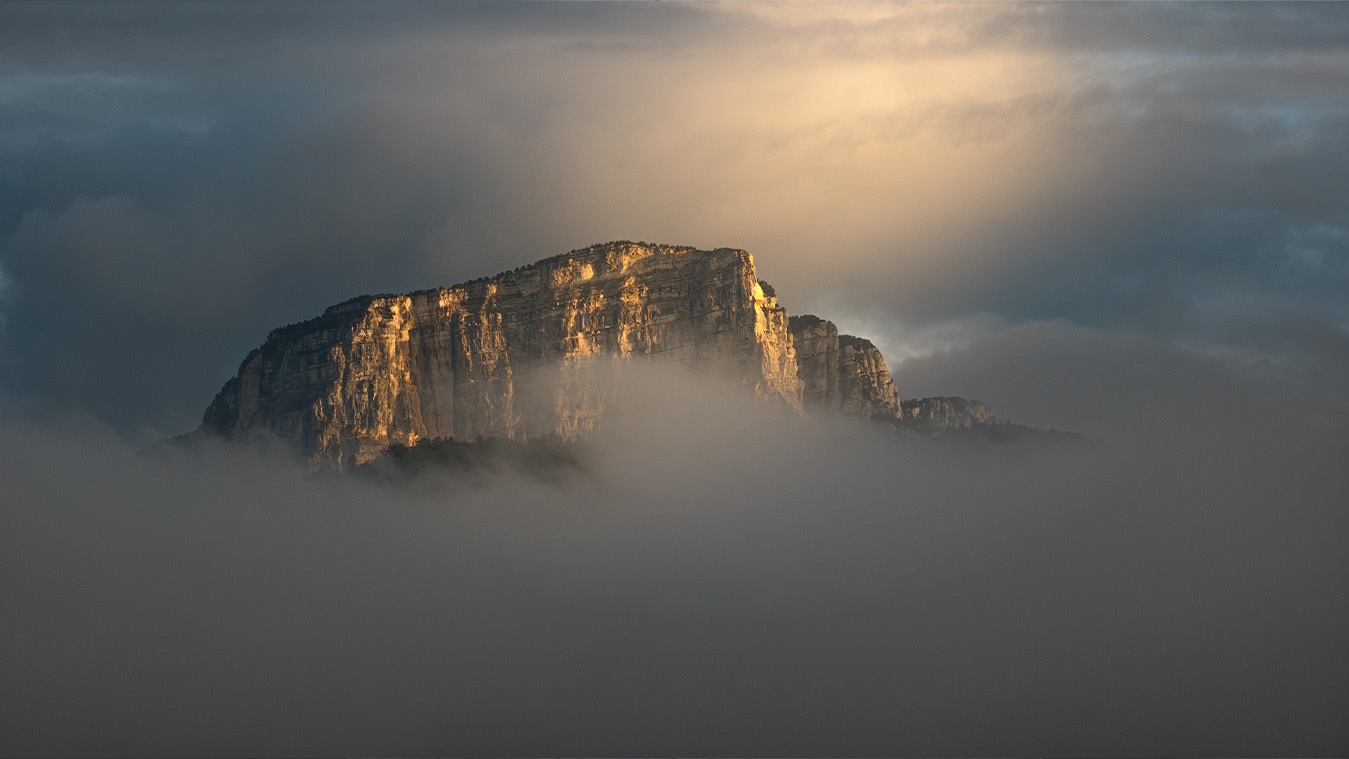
864	385
841	372
521	354
944	413
816	342
542	350
848	374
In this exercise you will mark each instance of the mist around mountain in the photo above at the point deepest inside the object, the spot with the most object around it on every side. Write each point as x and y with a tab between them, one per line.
718	579
708	572
433	462
544	350
1129	220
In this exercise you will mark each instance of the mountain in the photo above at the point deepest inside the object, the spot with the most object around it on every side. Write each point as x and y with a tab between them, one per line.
539	351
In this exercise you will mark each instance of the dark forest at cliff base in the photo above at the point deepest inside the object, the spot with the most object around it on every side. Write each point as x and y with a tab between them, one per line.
548	459
430	462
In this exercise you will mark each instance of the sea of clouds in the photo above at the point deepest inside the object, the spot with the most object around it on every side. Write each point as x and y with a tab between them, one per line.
718	579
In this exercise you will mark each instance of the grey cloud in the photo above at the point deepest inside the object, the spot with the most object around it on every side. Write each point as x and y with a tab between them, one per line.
280	160
1182	202
1054	374
1096	29
187	177
1223	29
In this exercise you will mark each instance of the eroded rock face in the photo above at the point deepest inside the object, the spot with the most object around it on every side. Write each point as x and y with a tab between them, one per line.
864	384
517	355
542	350
841	372
945	412
817	361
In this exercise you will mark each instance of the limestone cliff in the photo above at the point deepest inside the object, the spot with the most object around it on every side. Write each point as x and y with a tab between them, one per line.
816	342
541	350
944	413
521	354
842	372
864	385
848	374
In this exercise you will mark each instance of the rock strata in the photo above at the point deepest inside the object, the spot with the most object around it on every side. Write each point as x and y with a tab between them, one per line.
540	351
842	372
525	353
816	342
945	413
864	385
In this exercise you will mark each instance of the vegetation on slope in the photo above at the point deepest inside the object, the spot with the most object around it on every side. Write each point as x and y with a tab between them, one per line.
549	459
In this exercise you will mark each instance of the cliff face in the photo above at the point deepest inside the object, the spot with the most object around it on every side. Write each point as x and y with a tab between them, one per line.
816	342
945	412
518	355
842	372
542	350
865	387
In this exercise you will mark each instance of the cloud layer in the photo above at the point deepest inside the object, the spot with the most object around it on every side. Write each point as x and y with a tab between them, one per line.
1127	220
1167	171
722	581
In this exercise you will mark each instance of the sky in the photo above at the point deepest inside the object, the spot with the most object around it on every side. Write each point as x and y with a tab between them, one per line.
175	182
1126	220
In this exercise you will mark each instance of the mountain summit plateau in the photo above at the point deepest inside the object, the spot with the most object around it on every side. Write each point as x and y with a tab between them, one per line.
540	350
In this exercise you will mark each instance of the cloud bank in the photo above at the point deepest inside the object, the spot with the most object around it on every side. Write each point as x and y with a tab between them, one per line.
1127	220
723	580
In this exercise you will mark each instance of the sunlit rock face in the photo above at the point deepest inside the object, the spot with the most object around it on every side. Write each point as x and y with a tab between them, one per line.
534	351
543	350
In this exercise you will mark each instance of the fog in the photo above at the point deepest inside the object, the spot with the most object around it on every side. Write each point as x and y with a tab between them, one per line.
1127	220
720	579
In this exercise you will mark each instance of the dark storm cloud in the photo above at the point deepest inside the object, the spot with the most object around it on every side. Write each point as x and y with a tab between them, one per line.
163	214
725	581
175	181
